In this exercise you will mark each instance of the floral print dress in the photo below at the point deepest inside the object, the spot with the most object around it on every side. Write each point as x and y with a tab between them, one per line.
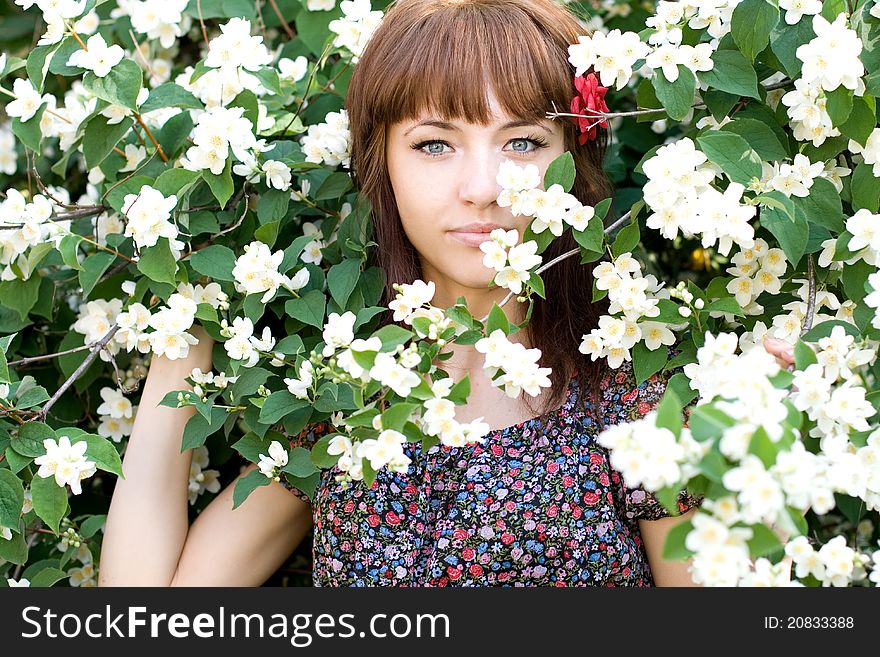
537	504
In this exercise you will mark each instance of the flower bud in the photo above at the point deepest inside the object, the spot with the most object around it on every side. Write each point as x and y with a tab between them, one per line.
684	311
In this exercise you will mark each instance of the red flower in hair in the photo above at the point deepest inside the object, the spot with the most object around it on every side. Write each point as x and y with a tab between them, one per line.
590	100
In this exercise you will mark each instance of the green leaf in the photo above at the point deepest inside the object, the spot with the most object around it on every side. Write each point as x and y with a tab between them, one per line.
760	137
392	335
47	577
120	86
762	447
197	428
333	187
29	133
245	485
647	362
786	39
32	397
11	499
627	239
854	278
804	356
680	385
822	206
50	501
101	451
823	330
14	551
28	441
726	305
497	320
93	267
792	235
309	309
733	74
216	261
279	404
839	104
342	279
861	121
100	138
561	172
299	463
221	185
751	25
38	64
221	9
313	27
733	154
320	457
175	181
170	95
593	238
92	525
20	296
158	263
272	205
68	248
397	416
270	79
677	97
708	423
674	547
865	189
763	541
853	508
669	415
459	392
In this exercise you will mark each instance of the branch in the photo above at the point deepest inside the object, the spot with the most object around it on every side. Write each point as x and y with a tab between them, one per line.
95	348
811	299
567	254
290	33
34	359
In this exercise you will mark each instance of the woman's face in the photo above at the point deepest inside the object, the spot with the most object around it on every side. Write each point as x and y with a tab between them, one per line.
444	180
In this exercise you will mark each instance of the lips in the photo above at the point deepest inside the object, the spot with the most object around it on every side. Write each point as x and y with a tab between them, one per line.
473	234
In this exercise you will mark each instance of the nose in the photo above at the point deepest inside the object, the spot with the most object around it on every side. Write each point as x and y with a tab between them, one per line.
478	185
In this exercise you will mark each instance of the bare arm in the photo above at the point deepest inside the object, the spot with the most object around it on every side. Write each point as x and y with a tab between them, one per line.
147	538
666	572
675	573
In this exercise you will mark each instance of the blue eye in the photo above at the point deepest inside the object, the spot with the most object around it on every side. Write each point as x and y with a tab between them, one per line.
426	146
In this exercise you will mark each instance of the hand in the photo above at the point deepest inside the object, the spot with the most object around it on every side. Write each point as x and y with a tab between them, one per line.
782	350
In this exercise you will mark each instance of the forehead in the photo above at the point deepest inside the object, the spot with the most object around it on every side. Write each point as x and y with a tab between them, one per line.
498	118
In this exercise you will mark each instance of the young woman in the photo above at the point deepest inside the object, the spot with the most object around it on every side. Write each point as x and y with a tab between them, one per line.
445	91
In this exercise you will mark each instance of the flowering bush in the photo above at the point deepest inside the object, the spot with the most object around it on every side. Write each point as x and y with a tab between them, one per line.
180	163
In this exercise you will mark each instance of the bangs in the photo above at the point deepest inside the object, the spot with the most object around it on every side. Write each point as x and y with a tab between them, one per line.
447	61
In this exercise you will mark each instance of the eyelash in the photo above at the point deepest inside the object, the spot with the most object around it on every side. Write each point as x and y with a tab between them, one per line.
534	139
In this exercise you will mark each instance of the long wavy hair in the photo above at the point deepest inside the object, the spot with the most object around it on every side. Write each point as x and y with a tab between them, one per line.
441	56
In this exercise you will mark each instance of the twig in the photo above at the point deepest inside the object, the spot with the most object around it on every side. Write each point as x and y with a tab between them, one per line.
33	359
567	254
30	543
311	79
156	144
128	177
95	349
290	33
811	298
202	23
110	273
121	385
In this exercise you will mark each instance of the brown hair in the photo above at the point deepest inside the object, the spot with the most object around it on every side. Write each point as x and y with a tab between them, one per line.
442	56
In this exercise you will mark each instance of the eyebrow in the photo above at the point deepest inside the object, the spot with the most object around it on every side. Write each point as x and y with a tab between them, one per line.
443	125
